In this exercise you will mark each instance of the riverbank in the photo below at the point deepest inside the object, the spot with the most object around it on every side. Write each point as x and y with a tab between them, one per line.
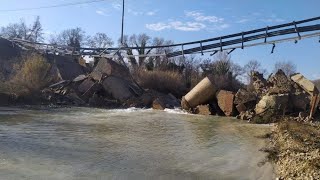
295	150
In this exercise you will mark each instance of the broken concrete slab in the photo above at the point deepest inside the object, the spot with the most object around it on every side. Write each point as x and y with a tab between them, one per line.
121	89
85	86
277	104
74	98
65	67
158	104
203	110
310	88
81	77
279	83
299	101
243	96
259	83
225	101
305	84
109	67
246	115
241	108
59	84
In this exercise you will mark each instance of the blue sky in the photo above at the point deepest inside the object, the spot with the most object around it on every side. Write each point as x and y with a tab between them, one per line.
184	20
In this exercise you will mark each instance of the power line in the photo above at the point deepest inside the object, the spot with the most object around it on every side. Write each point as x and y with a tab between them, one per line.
52	6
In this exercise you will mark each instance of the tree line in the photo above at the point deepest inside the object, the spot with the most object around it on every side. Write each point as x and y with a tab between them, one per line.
220	64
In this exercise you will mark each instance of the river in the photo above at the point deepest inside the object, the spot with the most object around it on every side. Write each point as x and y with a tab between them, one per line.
88	143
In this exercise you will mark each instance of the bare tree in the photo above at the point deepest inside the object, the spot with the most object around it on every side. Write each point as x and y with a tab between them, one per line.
287	67
221	65
127	43
251	66
71	37
141	41
100	40
35	33
22	31
161	61
192	70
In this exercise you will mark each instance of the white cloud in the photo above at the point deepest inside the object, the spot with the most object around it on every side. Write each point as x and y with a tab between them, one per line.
244	20
218	27
200	17
273	20
101	12
136	13
223	26
256	13
151	13
116	5
158	26
197	22
188	26
177	25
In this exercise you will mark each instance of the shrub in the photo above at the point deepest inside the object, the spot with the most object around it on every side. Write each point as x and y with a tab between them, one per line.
31	75
162	81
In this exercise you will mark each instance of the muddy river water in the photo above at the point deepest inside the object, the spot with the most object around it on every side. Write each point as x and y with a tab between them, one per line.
86	143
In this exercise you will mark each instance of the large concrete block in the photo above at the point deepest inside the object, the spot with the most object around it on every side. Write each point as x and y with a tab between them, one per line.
276	103
158	104
200	94
86	86
109	67
243	96
225	101
203	110
121	89
305	84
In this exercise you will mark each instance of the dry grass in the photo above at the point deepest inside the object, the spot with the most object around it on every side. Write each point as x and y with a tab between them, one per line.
31	75
162	81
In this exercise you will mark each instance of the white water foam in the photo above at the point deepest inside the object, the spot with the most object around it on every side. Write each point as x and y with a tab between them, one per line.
176	111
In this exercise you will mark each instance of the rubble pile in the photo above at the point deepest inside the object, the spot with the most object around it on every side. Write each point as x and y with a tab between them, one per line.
108	85
264	100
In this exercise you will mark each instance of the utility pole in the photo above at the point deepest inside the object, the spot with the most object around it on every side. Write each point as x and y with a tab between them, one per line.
122	27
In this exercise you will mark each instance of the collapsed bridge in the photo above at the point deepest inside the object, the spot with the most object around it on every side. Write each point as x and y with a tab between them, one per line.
308	28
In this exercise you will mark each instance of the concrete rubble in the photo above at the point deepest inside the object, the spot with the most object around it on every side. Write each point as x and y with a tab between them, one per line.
109	85
262	101
225	101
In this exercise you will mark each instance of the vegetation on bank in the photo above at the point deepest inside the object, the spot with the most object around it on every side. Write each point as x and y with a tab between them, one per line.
29	77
